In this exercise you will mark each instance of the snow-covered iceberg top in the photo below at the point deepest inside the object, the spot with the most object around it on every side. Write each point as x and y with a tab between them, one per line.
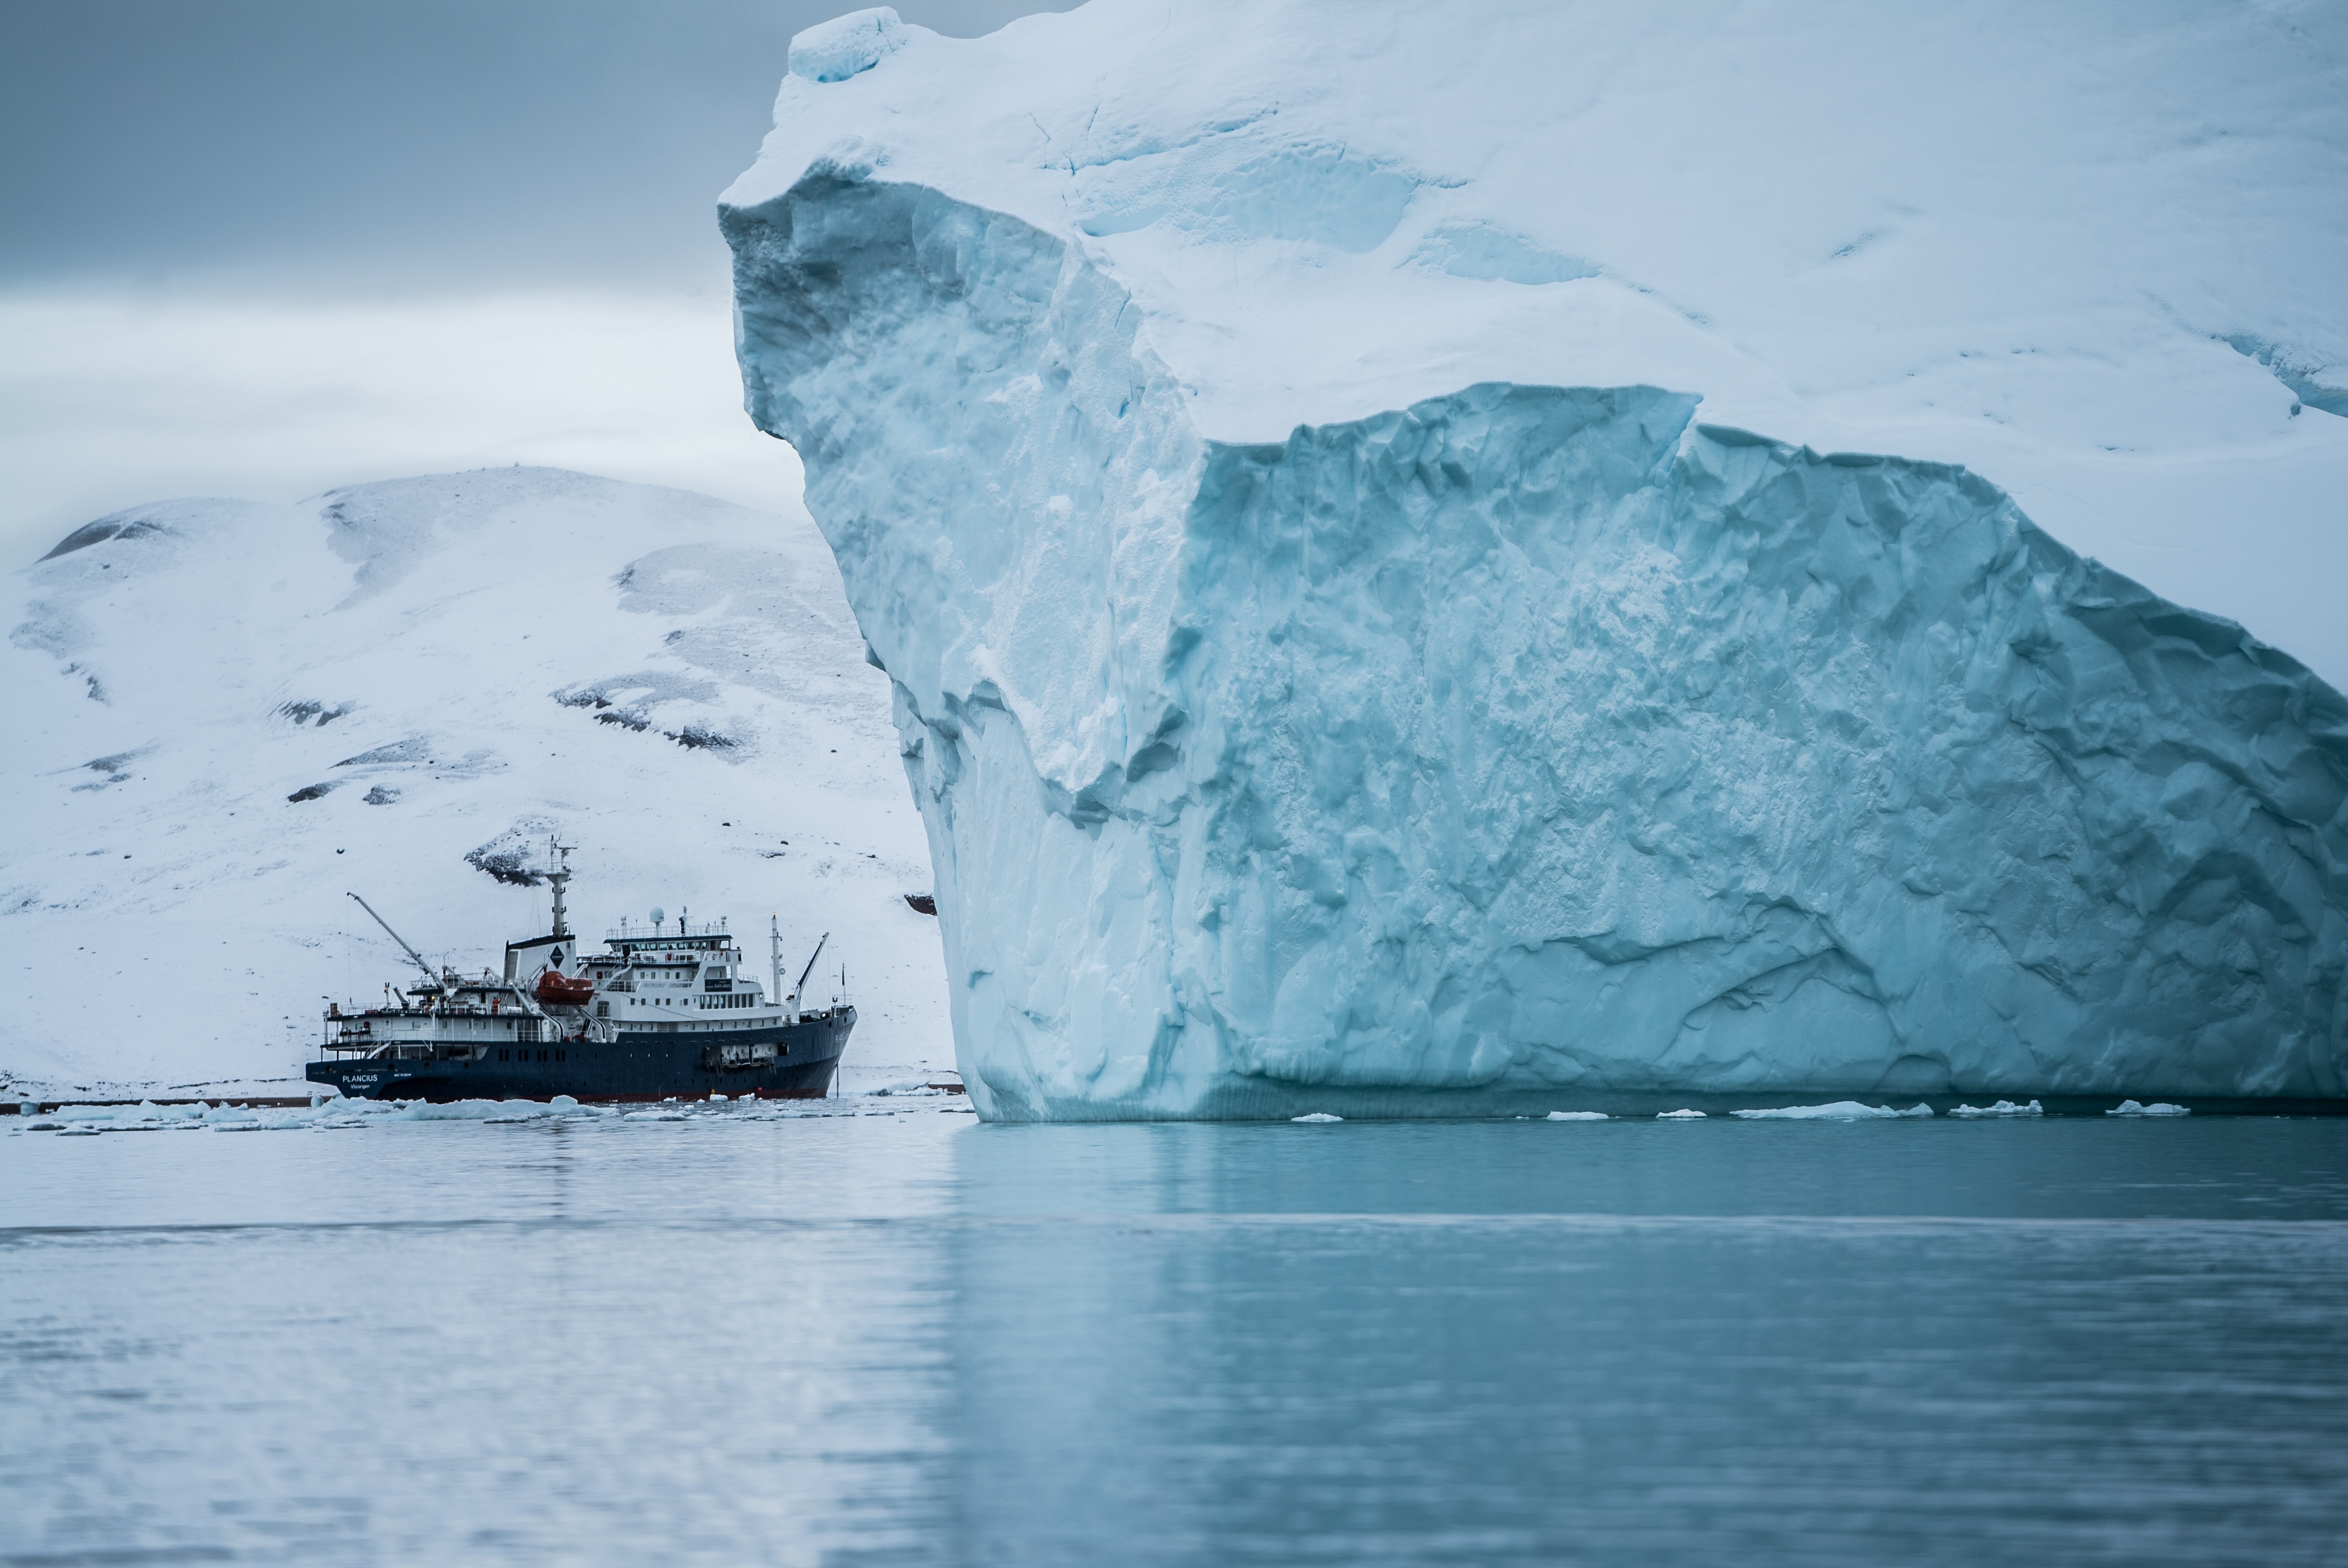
836	50
1368	636
2085	252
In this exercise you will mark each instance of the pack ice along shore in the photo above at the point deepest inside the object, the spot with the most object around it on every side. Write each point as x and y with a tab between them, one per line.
1384	614
659	1014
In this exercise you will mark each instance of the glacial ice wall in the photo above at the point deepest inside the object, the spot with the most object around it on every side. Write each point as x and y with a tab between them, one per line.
1526	745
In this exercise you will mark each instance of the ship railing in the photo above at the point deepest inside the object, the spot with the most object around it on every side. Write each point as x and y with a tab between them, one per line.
654	934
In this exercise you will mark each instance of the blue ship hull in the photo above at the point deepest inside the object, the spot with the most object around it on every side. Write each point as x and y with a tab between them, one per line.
639	1065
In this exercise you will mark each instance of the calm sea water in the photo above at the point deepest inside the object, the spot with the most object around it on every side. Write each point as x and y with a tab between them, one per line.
915	1339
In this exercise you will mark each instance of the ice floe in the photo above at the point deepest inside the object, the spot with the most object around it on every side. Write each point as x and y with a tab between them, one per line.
1839	1110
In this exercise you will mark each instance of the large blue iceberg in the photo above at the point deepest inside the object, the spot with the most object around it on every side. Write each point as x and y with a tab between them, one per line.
1528	746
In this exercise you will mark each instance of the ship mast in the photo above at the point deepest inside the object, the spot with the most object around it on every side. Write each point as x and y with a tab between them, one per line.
775	954
560	854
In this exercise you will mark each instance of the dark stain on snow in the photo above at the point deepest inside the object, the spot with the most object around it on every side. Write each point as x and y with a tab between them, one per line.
115	768
506	866
302	713
507	856
314	791
114	528
411	749
647	690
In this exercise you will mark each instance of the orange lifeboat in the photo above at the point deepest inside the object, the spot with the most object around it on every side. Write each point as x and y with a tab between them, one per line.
557	989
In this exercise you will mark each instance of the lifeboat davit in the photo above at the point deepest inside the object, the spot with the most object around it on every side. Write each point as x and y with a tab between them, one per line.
557	989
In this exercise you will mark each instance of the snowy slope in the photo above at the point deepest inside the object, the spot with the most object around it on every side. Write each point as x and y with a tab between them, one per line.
223	714
1338	492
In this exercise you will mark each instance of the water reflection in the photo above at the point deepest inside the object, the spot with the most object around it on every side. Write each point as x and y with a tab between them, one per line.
919	1341
1534	1344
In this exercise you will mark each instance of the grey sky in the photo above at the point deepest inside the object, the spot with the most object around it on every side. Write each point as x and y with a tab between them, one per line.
258	248
427	144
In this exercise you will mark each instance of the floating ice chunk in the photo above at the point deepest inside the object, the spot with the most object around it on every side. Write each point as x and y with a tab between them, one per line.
2003	1108
1839	1111
1575	1116
2157	1108
478	1110
836	50
1679	1116
1317	1116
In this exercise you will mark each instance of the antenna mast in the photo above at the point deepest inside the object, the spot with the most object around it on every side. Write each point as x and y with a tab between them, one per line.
560	854
775	953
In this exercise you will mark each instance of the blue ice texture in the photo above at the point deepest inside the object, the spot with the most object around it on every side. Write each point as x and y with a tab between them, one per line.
1529	746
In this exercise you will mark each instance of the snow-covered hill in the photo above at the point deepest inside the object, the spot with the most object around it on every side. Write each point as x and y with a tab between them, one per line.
222	715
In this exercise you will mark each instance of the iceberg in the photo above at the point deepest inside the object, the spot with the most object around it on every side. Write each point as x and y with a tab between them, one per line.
1357	653
1840	1110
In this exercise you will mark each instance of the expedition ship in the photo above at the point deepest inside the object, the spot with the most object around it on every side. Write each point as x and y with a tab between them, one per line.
665	1011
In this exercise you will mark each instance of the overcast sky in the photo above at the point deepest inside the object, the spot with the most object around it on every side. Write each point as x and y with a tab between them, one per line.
262	247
